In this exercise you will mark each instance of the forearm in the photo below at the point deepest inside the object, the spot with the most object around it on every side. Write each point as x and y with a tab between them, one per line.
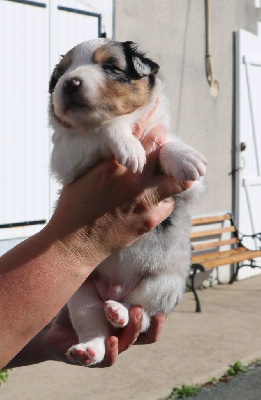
37	278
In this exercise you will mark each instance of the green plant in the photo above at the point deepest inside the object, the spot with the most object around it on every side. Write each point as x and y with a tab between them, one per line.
4	375
183	392
236	369
188	390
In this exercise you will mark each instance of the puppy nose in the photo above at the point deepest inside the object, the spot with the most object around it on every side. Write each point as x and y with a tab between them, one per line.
71	85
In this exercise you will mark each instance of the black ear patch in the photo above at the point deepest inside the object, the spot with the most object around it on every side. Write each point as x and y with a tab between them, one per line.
56	75
142	65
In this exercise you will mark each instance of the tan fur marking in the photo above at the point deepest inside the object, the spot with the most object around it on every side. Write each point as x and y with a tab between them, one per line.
101	55
122	98
106	52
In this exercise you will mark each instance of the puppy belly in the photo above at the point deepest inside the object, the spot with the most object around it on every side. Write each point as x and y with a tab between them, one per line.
113	287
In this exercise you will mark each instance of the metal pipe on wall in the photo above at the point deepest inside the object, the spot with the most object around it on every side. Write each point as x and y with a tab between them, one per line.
213	83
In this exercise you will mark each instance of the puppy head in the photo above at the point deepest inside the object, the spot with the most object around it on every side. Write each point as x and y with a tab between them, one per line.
99	80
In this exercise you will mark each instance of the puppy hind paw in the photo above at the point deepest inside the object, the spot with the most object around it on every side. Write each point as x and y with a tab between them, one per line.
116	313
85	354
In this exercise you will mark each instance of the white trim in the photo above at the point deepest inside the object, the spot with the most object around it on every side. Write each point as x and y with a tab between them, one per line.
253	120
251	181
252	60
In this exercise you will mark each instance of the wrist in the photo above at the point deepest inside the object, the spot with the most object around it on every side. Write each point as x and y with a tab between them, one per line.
81	247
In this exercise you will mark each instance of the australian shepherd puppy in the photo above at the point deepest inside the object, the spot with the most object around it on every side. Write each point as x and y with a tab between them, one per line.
98	91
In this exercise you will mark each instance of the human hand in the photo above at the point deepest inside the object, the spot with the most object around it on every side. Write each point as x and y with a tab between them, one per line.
54	340
61	336
131	335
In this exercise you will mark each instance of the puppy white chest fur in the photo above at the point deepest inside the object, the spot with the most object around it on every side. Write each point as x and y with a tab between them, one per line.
98	91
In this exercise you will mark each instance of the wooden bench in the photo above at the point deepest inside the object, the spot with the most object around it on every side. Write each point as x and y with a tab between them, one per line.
215	242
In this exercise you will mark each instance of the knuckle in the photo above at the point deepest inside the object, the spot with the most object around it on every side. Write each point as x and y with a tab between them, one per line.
150	222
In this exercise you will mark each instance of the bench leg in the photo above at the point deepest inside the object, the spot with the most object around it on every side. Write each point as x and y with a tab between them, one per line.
198	305
232	280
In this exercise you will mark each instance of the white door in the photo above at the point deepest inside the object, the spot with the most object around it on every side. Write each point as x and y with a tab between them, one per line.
24	146
248	139
33	35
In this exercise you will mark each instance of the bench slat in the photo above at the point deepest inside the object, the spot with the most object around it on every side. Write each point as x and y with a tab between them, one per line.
209	245
240	256
212	232
216	255
209	220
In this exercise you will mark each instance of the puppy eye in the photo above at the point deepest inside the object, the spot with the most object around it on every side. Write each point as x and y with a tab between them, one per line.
113	68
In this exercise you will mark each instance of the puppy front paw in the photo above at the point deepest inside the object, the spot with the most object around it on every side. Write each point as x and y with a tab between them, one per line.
116	313
88	353
129	153
182	162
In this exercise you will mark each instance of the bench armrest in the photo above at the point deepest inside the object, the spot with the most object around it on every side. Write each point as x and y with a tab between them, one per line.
254	236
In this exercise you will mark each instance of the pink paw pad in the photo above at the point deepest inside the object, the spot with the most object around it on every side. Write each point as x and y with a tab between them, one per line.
85	357
116	313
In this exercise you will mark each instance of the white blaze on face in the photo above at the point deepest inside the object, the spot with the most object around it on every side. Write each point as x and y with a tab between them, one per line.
91	79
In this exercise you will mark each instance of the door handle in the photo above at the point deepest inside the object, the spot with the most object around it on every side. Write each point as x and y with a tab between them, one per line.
243	146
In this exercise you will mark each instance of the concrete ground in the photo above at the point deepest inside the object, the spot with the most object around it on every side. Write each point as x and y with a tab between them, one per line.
193	349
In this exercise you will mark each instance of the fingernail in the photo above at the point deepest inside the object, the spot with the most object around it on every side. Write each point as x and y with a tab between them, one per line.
186	185
153	147
158	141
139	315
155	143
113	343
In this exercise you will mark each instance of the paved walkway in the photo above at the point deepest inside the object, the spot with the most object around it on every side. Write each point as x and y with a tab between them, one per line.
193	349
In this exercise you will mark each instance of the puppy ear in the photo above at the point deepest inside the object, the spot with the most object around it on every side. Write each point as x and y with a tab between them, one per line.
57	73
143	65
60	69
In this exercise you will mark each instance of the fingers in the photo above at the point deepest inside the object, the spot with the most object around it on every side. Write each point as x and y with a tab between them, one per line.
111	352
154	139
140	125
153	333
126	338
130	333
168	187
